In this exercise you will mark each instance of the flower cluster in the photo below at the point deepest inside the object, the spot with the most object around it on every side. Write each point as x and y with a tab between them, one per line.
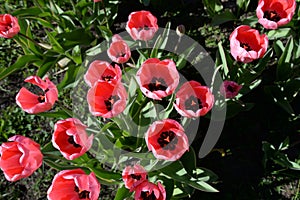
136	179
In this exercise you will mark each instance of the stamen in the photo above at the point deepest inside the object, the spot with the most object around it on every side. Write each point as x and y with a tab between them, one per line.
193	103
110	102
41	98
157	84
107	78
272	15
167	140
246	46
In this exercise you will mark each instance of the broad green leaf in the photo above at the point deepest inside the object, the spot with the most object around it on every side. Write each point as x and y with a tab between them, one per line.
122	193
223	17
284	64
22	62
223	59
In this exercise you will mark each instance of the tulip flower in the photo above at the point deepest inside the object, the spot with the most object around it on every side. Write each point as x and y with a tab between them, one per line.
141	25
9	26
274	13
70	138
246	44
33	103
20	157
193	100
167	140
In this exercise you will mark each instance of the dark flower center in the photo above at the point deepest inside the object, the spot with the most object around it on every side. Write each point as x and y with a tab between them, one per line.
137	177
107	78
71	141
146	195
143	27
41	97
82	194
246	46
193	103
230	88
272	15
110	102
167	140
157	84
121	54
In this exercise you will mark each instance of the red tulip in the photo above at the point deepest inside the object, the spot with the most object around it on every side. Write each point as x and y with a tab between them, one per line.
230	89
193	100
158	79
103	71
167	140
32	103
20	157
148	190
141	25
274	13
133	176
74	185
9	26
70	138
119	50
106	99
97	1
247	45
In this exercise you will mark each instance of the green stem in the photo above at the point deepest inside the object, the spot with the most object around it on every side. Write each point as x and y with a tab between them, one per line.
33	41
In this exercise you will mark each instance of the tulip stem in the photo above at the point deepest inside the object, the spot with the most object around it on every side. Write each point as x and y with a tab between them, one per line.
32	40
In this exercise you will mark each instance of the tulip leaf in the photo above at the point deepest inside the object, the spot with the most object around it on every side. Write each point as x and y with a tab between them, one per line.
22	62
284	67
57	114
223	17
223	58
122	193
279	33
177	172
188	161
105	177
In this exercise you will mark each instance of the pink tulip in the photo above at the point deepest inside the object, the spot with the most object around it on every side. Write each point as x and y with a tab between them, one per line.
9	26
274	13
102	71
193	100
70	138
229	89
74	185
167	140
246	44
32	103
141	25
107	99
119	50
20	157
148	190
158	79
133	176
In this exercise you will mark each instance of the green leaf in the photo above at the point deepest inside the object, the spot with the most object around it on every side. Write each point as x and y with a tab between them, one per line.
54	43
223	17
22	62
57	114
177	172
279	33
223	58
284	65
105	177
122	193
188	161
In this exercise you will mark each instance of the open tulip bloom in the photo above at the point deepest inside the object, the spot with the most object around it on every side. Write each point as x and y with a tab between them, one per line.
274	13
107	99
9	26
141	25
37	103
74	185
158	79
167	140
70	138
20	157
229	89
148	190
102	71
246	44
193	100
